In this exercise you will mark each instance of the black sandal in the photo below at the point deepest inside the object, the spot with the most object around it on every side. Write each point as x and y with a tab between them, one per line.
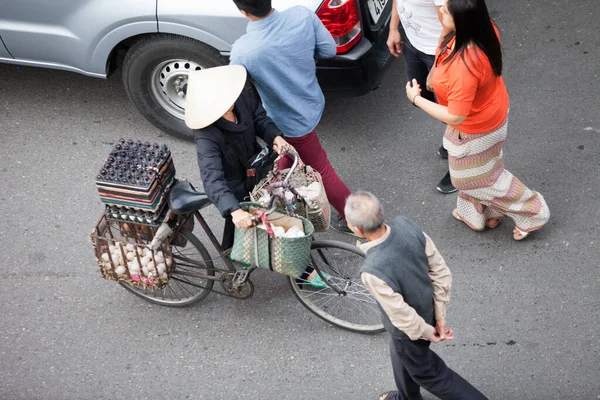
389	395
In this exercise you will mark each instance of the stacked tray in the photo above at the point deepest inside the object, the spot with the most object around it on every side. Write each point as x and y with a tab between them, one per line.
135	179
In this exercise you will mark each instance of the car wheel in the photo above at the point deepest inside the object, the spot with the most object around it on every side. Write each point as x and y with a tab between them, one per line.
155	76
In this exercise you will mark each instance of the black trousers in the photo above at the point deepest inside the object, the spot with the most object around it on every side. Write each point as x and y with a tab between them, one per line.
418	65
228	233
416	365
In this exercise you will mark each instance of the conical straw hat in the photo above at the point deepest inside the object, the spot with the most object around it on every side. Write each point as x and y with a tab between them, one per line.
211	93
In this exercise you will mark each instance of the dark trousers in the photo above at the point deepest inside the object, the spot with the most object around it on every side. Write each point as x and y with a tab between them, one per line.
312	153
418	65
416	365
228	232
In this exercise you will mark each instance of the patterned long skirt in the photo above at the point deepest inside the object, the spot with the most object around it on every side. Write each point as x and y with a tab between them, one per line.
486	189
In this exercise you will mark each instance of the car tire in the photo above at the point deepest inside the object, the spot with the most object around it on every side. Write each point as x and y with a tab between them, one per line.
155	73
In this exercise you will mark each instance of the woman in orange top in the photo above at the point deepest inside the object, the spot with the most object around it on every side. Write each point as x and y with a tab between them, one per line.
473	101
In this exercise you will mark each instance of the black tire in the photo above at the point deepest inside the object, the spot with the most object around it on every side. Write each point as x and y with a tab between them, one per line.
341	311
139	66
183	289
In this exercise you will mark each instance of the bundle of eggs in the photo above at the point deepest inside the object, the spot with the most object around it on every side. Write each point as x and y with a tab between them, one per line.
140	263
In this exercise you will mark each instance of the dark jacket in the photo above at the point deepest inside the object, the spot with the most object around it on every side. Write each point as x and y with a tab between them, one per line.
223	174
402	263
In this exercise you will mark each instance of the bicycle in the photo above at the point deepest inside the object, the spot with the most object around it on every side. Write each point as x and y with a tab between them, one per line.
344	302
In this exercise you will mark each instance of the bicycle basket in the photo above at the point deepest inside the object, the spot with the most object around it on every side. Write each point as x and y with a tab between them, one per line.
288	256
318	211
122	253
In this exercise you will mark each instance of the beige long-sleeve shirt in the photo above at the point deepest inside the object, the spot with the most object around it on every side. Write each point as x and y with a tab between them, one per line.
402	315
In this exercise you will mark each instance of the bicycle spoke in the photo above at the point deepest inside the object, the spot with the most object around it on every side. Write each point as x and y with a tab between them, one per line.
336	306
363	312
177	278
327	301
182	287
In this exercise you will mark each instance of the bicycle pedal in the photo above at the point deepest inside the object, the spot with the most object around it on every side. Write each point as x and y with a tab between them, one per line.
240	277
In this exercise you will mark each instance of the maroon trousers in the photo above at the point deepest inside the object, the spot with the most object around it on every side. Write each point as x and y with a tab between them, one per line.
312	153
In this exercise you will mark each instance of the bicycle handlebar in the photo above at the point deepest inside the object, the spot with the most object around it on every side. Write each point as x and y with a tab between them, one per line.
294	166
284	184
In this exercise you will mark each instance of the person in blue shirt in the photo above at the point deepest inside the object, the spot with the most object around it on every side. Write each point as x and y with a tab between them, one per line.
279	52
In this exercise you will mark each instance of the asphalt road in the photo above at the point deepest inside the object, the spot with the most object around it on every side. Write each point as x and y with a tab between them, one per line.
524	314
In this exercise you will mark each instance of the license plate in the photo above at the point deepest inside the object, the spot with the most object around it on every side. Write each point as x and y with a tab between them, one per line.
376	8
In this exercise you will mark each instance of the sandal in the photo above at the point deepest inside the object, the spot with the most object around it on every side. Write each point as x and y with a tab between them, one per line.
311	277
493	222
459	218
455	215
519	234
316	282
389	395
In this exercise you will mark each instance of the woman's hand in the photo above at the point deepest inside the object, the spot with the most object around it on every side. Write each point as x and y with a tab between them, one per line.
413	89
429	82
281	146
242	219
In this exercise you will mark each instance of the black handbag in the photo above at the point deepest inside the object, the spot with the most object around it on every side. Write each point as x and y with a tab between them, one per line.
257	167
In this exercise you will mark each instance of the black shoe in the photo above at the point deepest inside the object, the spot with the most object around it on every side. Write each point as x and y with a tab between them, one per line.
445	185
443	152
339	224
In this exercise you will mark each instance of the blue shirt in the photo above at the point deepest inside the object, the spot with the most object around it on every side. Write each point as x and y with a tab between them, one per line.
279	53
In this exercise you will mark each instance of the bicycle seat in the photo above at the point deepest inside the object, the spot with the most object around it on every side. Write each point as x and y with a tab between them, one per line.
184	199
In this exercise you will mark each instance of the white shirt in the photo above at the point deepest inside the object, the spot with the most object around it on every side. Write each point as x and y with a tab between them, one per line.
421	23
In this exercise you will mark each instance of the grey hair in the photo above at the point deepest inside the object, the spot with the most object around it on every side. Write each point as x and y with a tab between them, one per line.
364	211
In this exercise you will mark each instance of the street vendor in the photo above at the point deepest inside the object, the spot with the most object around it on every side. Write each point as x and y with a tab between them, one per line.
227	118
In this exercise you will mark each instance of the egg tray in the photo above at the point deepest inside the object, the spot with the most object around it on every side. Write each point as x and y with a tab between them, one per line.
136	223
135	237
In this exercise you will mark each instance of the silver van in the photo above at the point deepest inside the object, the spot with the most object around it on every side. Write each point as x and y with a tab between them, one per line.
156	43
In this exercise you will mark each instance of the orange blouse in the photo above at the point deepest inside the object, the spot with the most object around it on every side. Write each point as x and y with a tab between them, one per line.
474	91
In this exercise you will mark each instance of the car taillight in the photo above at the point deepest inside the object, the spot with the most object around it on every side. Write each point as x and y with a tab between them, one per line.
342	19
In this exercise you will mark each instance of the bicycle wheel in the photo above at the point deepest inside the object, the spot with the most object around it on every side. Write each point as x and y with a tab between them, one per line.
355	309
185	287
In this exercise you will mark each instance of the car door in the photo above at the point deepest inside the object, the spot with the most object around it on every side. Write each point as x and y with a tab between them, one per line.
3	50
66	32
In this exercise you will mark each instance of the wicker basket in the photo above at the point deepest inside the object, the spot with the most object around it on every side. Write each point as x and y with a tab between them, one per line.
319	214
122	253
288	256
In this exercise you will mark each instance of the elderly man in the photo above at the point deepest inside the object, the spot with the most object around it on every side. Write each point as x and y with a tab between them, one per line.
411	282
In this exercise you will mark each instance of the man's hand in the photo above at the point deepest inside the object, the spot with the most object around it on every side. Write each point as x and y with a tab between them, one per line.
395	43
435	338
242	219
443	332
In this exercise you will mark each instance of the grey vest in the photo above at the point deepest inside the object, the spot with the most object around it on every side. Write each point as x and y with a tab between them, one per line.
402	263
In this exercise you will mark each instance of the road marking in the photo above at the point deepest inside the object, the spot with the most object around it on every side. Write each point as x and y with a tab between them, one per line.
590	128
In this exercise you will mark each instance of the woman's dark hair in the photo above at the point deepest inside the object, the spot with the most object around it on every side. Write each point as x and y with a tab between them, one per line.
473	26
257	8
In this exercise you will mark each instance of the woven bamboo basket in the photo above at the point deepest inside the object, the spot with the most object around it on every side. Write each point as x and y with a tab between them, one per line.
288	256
122	254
